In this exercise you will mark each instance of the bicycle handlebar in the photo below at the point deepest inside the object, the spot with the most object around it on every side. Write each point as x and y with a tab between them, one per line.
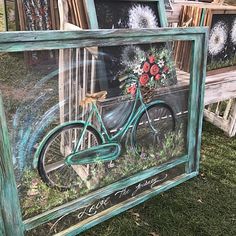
127	78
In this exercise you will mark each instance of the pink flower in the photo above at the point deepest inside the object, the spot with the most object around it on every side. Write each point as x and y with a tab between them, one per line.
132	89
154	69
144	78
166	69
151	59
157	77
146	67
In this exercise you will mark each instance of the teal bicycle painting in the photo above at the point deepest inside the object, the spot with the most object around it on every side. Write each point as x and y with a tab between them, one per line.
81	143
71	150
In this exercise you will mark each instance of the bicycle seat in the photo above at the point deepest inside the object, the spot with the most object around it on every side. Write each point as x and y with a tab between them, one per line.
116	117
93	97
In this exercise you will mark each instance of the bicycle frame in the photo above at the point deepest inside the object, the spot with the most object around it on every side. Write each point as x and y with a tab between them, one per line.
131	120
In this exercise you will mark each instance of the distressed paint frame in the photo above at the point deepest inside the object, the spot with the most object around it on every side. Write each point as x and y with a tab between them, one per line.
22	41
92	16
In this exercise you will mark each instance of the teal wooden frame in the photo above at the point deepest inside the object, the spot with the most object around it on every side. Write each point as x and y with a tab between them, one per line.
92	16
10	214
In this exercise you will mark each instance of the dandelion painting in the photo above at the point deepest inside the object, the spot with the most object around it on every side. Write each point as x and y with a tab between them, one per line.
127	14
218	38
222	42
233	32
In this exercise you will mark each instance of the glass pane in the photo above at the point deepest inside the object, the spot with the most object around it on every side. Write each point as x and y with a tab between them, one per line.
82	119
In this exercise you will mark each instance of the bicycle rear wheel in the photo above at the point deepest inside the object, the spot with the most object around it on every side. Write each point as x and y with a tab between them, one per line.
51	165
151	130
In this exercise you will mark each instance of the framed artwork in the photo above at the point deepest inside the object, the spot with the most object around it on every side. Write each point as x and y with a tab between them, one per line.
126	14
221	21
222	39
84	171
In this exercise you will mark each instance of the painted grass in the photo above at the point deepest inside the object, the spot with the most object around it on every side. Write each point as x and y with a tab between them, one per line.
203	206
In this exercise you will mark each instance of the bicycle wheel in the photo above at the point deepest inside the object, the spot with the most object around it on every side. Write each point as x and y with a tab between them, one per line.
152	128
59	145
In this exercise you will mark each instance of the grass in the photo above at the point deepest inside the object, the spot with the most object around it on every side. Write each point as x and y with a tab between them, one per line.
213	64
39	192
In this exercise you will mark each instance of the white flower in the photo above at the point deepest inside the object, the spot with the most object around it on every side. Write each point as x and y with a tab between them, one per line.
131	56
161	63
233	33
138	70
218	38
142	17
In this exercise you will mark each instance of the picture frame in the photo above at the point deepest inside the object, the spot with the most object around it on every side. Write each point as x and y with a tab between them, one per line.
149	182
221	46
222	25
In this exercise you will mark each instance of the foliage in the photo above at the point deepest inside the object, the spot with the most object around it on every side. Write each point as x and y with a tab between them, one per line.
221	63
33	190
130	163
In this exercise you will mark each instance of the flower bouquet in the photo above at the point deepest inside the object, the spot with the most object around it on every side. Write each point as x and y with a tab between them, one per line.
153	69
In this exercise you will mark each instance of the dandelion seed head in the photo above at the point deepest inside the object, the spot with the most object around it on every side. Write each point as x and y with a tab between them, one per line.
218	38
233	33
142	17
131	56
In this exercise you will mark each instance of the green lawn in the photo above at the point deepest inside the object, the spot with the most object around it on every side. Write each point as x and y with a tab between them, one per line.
205	205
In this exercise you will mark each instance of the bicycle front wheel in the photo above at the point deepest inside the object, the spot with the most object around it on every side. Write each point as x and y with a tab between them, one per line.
51	164
152	129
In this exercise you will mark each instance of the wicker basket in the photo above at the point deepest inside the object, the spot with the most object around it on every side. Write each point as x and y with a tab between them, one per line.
147	93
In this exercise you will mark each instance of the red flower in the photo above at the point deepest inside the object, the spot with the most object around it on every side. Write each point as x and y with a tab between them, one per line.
166	69
154	69
146	67
143	79
151	59
157	77
132	89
